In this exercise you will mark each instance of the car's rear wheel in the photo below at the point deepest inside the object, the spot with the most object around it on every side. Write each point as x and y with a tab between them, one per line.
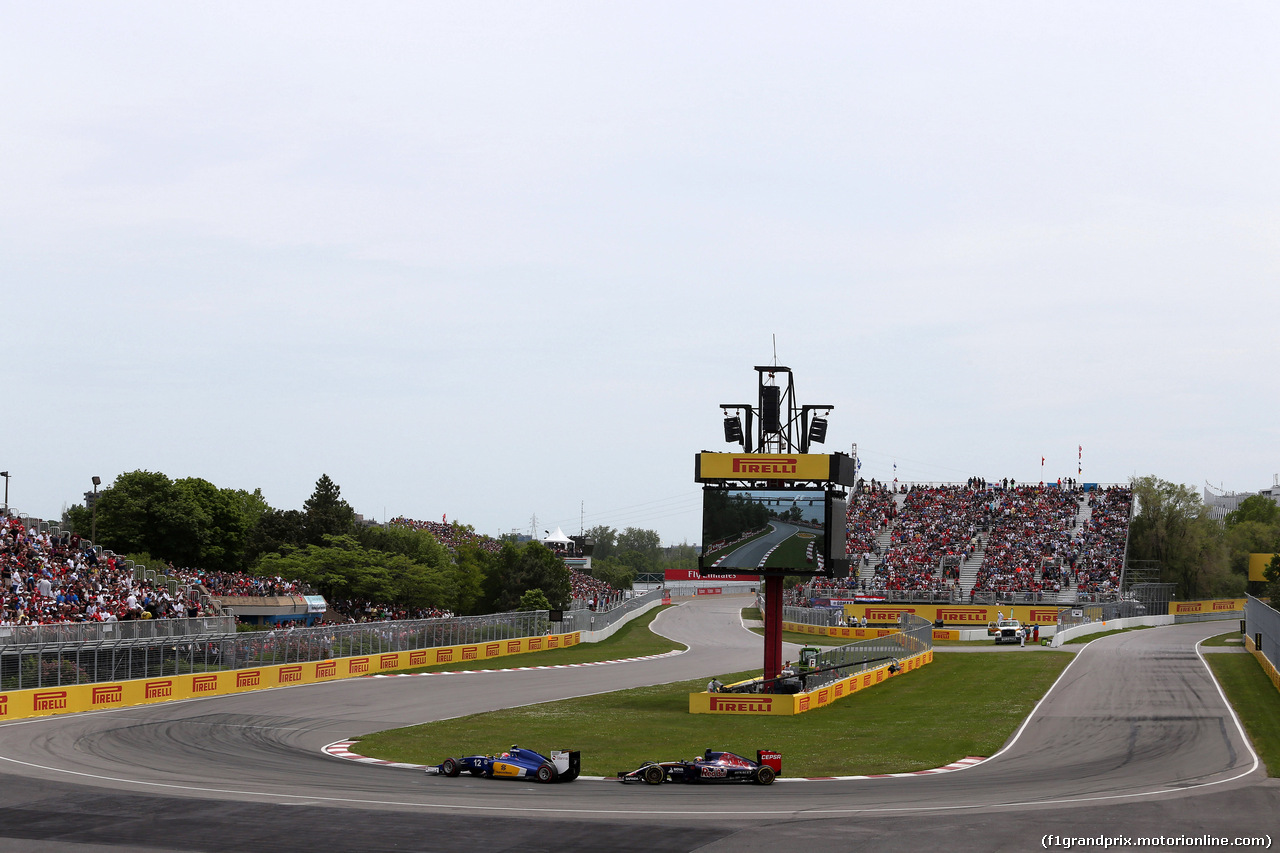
654	775
450	768
546	773
764	775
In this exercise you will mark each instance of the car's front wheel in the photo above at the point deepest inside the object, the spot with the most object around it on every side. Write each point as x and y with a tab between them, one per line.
450	768
654	775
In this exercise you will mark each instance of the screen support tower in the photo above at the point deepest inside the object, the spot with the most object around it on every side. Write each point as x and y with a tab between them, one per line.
776	423
777	435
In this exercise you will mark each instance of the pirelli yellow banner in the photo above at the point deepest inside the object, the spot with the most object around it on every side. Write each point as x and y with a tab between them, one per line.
763	466
783	705
70	698
1221	605
858	633
956	615
1258	564
842	633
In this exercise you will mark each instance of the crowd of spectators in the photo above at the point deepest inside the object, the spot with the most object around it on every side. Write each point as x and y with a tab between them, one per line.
450	536
239	583
1097	553
1024	541
352	610
51	578
937	527
593	593
1031	532
871	510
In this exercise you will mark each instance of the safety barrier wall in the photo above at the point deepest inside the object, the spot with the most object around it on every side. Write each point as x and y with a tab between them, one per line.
1086	619
600	634
72	698
1063	636
787	705
1262	636
599	620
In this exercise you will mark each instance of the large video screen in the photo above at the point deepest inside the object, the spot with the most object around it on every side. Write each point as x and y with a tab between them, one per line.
769	529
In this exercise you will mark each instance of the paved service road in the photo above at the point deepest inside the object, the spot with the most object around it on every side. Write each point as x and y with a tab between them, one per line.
1134	738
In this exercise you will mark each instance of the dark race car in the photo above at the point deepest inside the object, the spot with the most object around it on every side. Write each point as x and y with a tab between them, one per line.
711	767
517	763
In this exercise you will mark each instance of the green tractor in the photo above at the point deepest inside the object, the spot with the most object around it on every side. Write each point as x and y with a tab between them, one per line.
808	661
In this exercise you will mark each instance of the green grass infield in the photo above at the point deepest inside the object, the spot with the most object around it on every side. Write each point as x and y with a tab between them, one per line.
957	706
632	640
1256	700
1231	638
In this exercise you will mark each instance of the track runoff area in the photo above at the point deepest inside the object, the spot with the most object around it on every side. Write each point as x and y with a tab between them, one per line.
1134	738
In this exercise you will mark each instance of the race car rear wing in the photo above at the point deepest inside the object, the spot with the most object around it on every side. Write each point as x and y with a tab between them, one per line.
568	764
770	759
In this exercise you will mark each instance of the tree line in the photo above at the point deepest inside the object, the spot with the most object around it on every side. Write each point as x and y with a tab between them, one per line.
619	557
1174	530
191	523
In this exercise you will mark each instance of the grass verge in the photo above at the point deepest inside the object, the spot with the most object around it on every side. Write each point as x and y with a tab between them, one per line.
1231	638
1256	700
927	718
632	640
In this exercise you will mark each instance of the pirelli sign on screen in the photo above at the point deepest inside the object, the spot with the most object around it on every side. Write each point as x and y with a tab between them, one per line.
713	467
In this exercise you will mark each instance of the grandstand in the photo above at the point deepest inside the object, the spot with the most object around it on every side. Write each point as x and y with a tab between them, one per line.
976	542
49	576
981	542
53	577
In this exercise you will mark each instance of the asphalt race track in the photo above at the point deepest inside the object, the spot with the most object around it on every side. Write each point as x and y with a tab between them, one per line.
1135	739
752	554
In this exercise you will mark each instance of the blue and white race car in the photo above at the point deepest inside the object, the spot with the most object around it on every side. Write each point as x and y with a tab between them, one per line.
516	763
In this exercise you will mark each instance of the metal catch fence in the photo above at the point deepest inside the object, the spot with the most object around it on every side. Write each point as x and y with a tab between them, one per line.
98	632
45	664
598	620
1147	599
822	616
915	635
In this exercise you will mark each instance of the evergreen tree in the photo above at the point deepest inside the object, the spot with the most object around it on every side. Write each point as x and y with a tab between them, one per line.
326	513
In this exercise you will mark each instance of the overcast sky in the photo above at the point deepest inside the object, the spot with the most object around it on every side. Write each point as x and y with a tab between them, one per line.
504	260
